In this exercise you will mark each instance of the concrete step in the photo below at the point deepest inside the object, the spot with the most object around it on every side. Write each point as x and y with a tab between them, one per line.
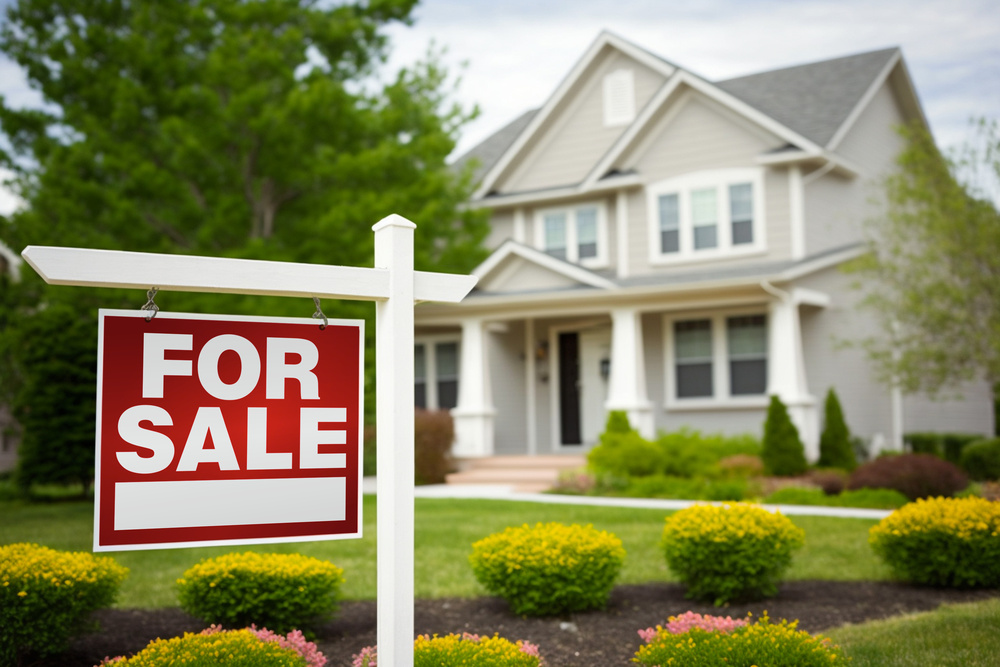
529	474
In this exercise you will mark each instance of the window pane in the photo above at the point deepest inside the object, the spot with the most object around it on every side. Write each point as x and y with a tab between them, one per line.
419	362
748	377
741	212
704	216
446	360
669	223
693	340
746	339
447	394
586	232
420	394
694	380
555	234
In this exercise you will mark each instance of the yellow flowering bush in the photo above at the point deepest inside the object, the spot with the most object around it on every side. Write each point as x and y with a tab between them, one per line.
761	643
730	552
46	596
278	591
550	568
240	648
942	542
460	650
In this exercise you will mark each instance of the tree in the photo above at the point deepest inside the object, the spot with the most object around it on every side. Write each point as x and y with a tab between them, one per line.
242	128
835	448
781	449
932	270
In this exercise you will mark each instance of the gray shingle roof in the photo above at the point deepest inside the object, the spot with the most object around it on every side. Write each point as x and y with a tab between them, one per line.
814	99
487	152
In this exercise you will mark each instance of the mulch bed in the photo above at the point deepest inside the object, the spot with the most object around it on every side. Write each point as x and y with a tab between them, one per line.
593	639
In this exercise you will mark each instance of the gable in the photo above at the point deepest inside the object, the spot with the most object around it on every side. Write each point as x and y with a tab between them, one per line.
571	133
693	134
517	274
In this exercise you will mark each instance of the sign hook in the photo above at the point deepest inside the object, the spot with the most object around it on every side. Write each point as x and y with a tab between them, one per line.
319	313
150	304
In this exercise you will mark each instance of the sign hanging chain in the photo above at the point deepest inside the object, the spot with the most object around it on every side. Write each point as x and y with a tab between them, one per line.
319	313
150	304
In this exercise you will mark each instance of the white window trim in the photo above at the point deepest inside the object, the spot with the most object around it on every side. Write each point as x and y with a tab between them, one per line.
682	186
722	400
600	260
430	363
619	98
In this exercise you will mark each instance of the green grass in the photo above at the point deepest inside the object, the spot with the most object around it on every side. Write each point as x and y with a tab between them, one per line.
835	549
961	635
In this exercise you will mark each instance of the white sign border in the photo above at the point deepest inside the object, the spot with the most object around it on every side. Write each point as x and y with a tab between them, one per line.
104	312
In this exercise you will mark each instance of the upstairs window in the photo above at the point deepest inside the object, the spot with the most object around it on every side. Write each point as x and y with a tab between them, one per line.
706	215
577	234
619	98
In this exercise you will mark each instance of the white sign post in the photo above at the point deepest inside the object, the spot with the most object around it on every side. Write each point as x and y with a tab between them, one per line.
394	286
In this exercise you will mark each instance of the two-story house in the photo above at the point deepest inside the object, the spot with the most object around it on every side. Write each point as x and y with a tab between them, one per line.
671	247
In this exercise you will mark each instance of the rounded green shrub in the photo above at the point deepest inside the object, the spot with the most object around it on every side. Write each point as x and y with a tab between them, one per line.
239	648
460	650
951	542
278	591
981	460
781	449
761	643
627	454
731	552
913	475
46	597
550	568
835	448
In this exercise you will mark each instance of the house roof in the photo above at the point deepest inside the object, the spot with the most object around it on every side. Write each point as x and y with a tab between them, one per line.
814	99
811	105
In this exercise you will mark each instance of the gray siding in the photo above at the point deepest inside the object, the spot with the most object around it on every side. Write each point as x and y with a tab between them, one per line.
966	409
576	137
501	228
836	206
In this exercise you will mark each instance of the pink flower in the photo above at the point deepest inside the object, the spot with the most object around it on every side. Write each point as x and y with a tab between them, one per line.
677	625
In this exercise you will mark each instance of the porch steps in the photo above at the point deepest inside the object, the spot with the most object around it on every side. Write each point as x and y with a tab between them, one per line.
527	474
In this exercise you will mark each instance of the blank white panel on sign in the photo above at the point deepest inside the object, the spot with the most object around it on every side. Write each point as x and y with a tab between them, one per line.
232	502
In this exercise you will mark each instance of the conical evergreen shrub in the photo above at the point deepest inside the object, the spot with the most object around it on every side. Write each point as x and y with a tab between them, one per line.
835	450
782	450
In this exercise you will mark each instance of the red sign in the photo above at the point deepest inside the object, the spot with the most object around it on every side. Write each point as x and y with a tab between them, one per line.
226	430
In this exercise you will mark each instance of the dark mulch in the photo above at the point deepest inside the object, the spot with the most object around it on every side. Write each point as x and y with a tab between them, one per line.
593	639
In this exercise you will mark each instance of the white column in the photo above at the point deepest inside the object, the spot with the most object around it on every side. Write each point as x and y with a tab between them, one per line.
786	370
394	429
627	384
474	413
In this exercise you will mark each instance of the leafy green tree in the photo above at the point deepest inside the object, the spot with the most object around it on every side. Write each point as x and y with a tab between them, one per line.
781	449
835	448
932	270
241	128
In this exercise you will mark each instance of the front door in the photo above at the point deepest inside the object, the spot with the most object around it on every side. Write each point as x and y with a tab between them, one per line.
569	389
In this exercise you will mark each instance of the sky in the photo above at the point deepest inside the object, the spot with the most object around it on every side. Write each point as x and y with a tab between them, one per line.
512	54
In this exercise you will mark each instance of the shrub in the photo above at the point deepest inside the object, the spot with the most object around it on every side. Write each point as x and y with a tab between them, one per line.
666	486
863	498
760	643
214	646
458	650
731	552
434	432
982	460
782	450
678	625
835	448
46	596
627	454
549	569
617	422
689	453
798	495
948	446
913	475
279	591
741	465
831	482
942	542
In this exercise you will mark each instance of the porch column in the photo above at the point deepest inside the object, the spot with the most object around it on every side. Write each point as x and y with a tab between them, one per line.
474	414
627	383
787	372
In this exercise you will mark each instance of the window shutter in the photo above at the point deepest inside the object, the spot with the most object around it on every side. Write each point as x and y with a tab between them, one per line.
619	98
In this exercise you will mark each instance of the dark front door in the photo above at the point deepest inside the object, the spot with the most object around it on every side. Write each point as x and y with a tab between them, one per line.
569	388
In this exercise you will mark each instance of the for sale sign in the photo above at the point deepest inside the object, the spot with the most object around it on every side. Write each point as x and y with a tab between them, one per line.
226	430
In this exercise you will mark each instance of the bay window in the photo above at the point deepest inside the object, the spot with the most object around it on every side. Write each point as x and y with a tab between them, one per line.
576	234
